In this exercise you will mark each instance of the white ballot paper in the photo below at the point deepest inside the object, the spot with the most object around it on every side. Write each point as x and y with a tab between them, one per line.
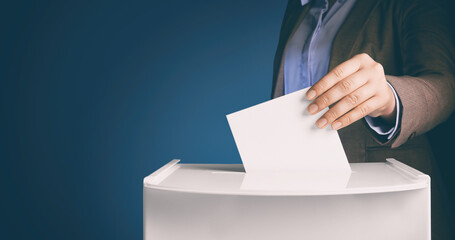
280	137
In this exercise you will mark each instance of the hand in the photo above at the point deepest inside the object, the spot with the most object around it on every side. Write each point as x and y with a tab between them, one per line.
358	87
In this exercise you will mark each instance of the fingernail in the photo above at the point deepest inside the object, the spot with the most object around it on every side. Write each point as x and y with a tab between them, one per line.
312	108
321	122
336	125
310	94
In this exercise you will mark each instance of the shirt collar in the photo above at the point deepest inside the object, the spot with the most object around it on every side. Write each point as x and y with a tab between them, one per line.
304	2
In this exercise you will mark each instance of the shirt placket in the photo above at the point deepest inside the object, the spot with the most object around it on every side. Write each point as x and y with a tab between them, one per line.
313	41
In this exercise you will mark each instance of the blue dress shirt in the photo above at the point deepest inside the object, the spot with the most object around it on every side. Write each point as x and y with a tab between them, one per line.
307	53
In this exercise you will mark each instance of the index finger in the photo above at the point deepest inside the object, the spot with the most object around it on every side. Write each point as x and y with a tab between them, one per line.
340	72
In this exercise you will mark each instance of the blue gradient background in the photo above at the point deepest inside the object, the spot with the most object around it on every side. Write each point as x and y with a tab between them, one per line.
95	95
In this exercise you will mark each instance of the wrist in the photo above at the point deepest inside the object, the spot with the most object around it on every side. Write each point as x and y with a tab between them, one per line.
390	112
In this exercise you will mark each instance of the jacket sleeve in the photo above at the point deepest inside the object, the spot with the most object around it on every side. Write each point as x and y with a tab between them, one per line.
427	89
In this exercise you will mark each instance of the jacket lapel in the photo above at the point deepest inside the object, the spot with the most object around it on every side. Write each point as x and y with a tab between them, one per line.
346	40
294	15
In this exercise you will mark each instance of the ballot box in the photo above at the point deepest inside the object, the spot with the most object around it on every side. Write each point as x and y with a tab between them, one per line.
386	200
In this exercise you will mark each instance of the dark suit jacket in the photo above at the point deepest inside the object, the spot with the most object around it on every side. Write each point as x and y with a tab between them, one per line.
410	40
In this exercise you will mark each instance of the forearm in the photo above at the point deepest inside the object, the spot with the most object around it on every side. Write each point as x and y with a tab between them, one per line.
427	101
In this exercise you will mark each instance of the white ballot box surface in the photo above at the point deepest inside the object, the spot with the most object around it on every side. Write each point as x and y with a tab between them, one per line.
388	200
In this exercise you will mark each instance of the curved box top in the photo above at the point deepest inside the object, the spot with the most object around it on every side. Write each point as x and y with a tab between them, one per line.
231	179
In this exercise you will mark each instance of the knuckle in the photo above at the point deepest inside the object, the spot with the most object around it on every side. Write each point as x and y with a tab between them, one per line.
347	120
363	110
352	99
324	101
331	115
338	72
363	56
346	85
378	67
318	87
